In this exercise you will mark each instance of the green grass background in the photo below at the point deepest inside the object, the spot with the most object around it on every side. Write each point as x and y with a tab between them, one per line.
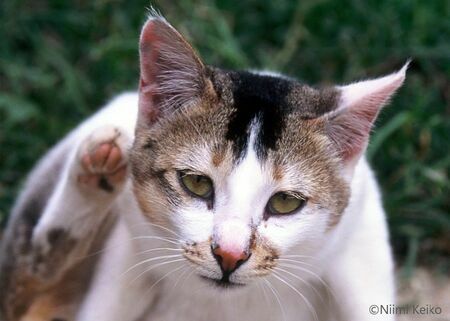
61	60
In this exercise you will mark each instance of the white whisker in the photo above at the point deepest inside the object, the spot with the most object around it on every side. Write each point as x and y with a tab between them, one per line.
303	281
150	260
169	240
301	256
329	290
162	278
310	307
115	246
159	249
180	276
189	276
263	290
276	295
153	267
295	261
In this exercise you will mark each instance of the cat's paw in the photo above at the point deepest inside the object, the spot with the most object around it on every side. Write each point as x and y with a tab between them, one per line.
102	159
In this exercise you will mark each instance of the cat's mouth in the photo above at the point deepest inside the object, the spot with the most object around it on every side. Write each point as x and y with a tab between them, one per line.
224	282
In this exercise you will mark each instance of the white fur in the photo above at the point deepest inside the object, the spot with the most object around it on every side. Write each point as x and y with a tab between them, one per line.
357	91
244	189
353	259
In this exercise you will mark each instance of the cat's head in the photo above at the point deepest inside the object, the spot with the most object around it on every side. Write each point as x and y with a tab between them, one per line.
244	166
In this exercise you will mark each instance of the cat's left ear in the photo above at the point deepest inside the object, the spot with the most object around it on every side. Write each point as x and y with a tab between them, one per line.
349	125
171	74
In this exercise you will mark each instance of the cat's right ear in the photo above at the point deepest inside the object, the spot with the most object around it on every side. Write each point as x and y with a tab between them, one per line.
349	126
171	74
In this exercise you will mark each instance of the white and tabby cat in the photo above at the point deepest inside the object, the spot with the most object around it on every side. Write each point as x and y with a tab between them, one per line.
208	195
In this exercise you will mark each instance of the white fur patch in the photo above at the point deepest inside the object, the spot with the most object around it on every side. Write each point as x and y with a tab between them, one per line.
247	192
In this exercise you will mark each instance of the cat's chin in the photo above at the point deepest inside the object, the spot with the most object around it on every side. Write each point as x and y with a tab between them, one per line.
222	283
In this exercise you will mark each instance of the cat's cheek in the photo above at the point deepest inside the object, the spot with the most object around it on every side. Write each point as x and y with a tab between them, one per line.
279	232
195	223
302	232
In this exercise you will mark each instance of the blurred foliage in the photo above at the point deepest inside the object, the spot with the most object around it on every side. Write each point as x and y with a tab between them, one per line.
61	60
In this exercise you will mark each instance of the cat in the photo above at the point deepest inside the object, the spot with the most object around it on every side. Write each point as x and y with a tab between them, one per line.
209	194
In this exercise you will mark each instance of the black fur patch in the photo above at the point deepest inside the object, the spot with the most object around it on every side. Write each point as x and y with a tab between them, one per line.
104	184
55	236
260	98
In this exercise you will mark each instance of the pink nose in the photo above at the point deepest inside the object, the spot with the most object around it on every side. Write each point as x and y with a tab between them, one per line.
229	261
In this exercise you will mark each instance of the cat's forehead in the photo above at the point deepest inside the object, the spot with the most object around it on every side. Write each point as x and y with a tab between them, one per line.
273	106
276	110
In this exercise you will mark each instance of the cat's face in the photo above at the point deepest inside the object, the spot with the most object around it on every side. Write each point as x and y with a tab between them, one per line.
243	166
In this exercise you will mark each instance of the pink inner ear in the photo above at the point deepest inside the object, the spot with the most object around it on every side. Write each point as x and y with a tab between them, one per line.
149	45
349	127
171	73
148	87
349	131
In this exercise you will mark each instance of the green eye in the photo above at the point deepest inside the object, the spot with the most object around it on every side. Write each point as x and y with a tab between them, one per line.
197	185
284	203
